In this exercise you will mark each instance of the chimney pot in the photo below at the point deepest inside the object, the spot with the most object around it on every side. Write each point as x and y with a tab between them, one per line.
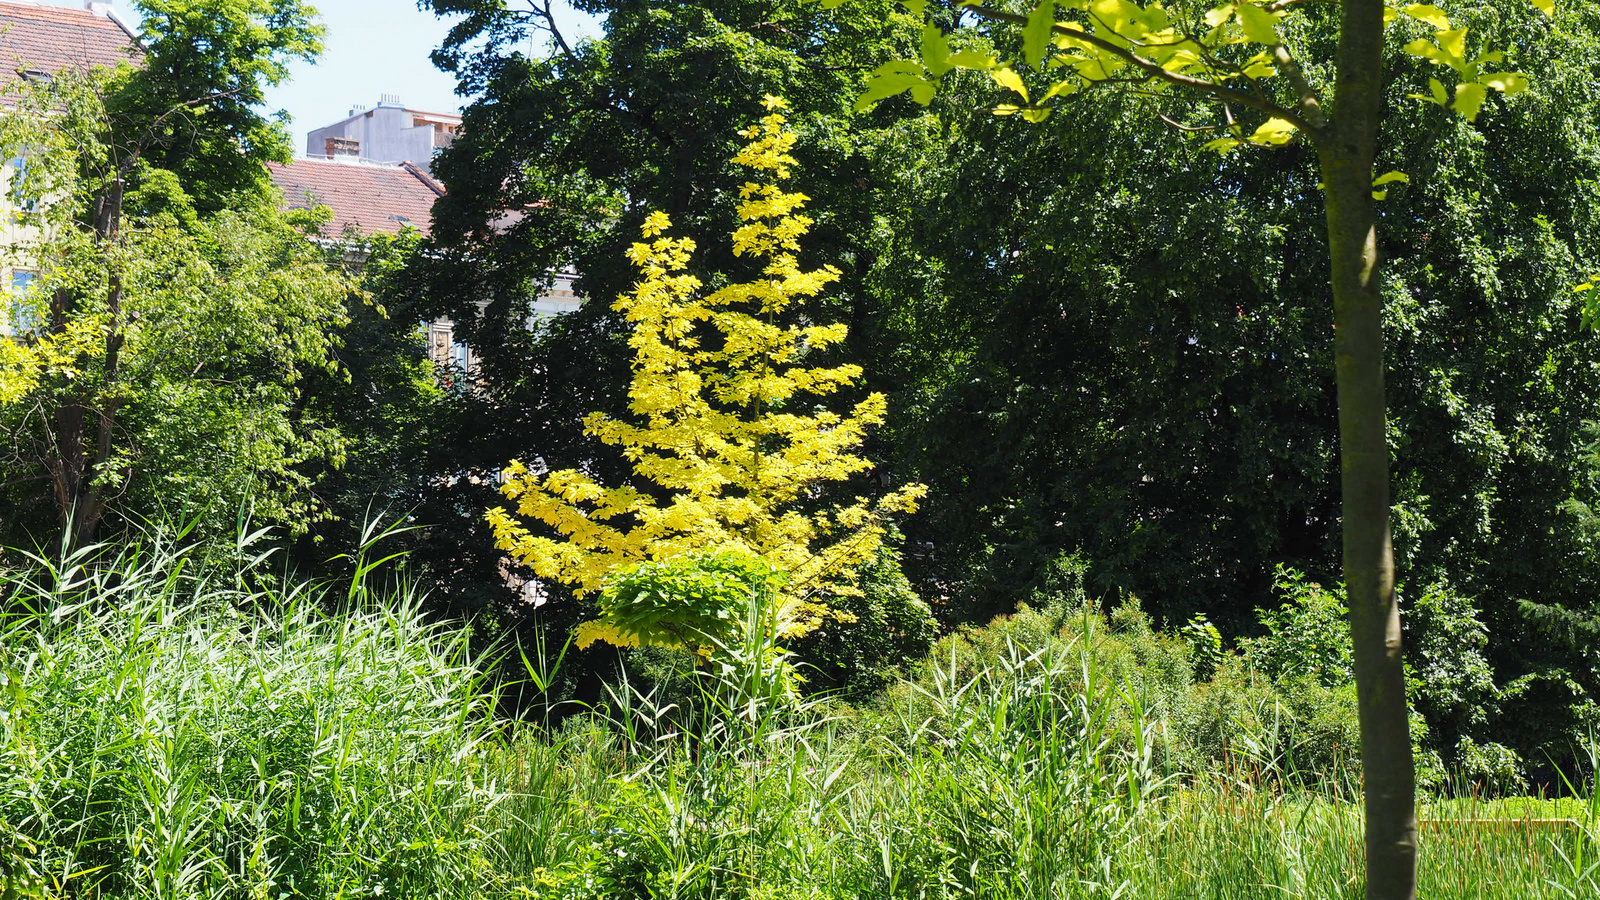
342	148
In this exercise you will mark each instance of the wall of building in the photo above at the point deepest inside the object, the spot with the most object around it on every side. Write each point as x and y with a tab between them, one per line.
20	310
386	134
557	299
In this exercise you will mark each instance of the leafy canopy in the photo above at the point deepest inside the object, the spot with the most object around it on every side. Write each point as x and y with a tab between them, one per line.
181	334
1241	53
195	102
723	428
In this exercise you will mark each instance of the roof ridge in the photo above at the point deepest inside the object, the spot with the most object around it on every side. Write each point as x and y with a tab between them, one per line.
54	9
425	177
133	36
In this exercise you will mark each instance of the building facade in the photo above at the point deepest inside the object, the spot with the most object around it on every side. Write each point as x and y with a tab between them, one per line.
369	199
387	133
38	41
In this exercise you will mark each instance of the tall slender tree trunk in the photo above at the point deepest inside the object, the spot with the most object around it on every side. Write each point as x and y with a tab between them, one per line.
1346	150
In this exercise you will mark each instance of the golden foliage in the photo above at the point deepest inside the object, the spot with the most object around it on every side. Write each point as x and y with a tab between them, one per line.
24	362
724	426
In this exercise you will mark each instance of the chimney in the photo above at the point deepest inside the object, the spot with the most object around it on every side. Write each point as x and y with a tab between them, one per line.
98	7
343	148
390	100
357	108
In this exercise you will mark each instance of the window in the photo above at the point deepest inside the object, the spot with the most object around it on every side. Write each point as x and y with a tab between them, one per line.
21	311
18	192
460	356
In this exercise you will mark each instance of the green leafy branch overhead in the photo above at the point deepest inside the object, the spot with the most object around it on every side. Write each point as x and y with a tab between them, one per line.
1243	54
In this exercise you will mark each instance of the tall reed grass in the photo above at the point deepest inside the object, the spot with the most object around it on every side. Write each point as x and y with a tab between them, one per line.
175	726
1015	779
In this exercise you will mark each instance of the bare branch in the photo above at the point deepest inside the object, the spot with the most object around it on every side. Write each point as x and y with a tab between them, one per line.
1189	128
547	13
23	480
1310	104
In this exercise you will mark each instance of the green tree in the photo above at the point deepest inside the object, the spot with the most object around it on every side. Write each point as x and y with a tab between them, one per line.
1248	55
155	228
557	166
194	104
387	401
1135	364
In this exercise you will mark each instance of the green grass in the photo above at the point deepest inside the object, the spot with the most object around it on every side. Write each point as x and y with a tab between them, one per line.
172	727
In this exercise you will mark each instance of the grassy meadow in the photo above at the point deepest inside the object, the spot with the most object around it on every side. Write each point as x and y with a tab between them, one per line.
174	726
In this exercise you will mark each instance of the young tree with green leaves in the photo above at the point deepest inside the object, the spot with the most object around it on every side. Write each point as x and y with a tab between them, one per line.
1249	57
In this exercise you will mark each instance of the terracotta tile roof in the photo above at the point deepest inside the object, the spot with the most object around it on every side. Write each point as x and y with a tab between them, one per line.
52	38
370	198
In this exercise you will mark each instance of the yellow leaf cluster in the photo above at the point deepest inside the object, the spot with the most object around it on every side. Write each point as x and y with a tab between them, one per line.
26	362
1232	51
725	421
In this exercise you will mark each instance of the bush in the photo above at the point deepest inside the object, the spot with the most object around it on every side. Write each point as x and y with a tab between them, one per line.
1451	685
1307	636
880	630
698	601
1259	713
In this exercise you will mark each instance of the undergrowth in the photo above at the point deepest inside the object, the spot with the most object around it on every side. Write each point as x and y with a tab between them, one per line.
177	726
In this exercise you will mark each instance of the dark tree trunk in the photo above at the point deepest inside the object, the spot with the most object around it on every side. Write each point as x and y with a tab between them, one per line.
80	503
1346	149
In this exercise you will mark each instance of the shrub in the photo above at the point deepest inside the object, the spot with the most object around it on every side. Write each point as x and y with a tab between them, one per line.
1308	635
696	601
1450	678
873	636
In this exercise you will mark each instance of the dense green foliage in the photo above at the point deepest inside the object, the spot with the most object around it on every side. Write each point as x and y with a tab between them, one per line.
698	602
1106	351
174	728
557	166
1149	377
151	226
193	106
204	323
1097	337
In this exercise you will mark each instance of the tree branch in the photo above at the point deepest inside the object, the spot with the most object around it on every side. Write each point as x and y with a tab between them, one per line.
1310	104
1155	71
548	15
127	165
1189	128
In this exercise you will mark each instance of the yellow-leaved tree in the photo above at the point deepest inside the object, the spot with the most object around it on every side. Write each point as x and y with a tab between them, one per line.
726	425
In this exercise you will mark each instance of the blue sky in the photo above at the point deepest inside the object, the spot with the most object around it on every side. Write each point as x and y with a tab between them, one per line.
373	47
